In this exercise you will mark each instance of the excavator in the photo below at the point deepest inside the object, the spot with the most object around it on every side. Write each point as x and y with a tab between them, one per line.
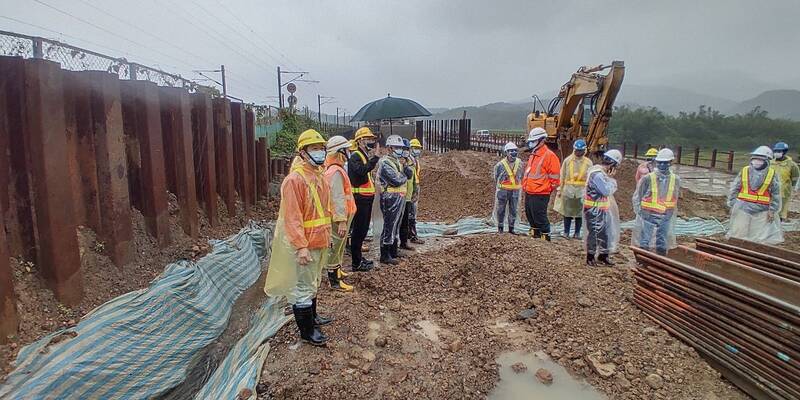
586	103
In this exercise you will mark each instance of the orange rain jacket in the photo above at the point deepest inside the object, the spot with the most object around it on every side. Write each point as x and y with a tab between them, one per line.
344	205
542	173
297	206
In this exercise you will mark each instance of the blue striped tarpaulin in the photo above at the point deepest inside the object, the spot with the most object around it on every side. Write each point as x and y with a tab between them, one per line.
138	345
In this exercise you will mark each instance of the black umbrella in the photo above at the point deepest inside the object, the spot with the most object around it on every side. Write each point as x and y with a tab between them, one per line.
389	108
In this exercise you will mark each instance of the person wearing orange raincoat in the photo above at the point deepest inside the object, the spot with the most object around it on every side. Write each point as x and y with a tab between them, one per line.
302	237
344	208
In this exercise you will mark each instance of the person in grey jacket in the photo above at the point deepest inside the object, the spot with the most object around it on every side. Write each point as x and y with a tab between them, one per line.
755	201
508	174
393	173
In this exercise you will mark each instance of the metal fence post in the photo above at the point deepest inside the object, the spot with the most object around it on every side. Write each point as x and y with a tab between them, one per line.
678	153
713	158
730	160
38	50
696	156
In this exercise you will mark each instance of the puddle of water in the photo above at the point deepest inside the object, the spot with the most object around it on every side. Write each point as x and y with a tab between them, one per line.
525	386
429	329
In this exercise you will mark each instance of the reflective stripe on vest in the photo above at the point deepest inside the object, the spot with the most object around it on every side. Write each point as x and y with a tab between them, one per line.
762	195
511	183
317	222
417	171
400	189
654	203
577	180
367	189
601	203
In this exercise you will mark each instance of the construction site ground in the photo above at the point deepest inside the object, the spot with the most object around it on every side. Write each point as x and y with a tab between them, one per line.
437	325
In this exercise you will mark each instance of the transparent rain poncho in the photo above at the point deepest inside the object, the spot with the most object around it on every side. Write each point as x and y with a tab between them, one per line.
750	219
654	227
601	226
344	206
569	198
392	177
507	192
304	196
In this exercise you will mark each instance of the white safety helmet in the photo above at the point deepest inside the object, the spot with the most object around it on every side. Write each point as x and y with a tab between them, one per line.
665	155
614	155
536	134
762	152
336	143
509	146
394	141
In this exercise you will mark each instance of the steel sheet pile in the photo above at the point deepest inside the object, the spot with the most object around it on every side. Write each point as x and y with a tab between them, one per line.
737	303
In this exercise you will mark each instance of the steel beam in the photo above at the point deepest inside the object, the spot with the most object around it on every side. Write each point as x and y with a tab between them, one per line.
179	161
223	146
204	162
240	154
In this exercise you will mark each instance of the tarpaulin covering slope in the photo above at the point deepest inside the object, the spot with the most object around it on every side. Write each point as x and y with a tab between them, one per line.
138	345
242	367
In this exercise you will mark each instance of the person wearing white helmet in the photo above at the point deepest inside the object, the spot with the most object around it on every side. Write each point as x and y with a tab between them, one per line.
393	173
600	212
508	180
655	203
344	208
755	201
569	198
542	176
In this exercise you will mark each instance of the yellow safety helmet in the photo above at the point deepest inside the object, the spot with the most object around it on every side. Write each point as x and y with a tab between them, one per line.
353	145
651	153
309	137
415	144
364	132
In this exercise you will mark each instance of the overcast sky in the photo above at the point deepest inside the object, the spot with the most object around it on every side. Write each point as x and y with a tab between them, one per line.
441	53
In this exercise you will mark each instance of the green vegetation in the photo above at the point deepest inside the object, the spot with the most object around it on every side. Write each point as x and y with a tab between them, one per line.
293	125
706	128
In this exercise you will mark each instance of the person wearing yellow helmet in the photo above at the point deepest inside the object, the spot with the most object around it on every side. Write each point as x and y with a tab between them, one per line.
302	237
416	155
360	165
648	165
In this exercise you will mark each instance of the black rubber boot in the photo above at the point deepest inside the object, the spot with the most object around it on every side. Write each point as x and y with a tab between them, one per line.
304	317
386	257
319	320
405	246
590	260
363	267
511	230
394	252
499	228
546	236
603	259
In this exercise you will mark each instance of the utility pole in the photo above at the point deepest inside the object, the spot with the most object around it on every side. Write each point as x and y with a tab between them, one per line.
224	86
280	95
319	110
300	74
337	115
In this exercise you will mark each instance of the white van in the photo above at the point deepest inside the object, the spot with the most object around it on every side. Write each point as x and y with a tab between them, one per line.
484	133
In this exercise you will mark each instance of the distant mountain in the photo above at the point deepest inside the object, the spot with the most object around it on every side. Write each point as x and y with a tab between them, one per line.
505	116
728	84
669	99
778	103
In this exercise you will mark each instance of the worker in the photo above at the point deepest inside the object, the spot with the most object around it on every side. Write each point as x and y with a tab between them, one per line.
573	180
648	165
655	203
344	208
600	212
360	165
411	187
755	201
508	181
393	173
788	174
416	155
542	176
302	237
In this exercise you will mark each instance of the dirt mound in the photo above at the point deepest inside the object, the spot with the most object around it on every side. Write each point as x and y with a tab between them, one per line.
40	313
434	326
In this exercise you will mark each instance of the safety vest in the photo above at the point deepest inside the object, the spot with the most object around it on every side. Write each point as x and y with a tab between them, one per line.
400	189
601	203
417	170
580	178
653	202
321	219
350	203
368	188
760	196
510	183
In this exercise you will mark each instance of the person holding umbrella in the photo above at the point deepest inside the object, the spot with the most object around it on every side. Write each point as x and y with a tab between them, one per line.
393	174
360	165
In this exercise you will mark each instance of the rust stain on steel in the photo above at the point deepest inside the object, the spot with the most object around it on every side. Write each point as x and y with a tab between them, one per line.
179	160
19	212
223	145
58	255
262	169
8	300
87	160
143	110
71	84
204	155
240	154
250	137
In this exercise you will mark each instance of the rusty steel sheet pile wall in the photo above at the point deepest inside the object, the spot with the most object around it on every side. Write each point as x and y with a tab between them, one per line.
725	300
83	148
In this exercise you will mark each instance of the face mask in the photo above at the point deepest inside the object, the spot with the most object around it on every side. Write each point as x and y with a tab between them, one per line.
758	163
779	155
406	153
512	155
416	153
580	153
317	156
398	152
370	145
663	166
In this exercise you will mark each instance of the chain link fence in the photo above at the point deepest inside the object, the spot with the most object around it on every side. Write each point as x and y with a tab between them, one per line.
78	59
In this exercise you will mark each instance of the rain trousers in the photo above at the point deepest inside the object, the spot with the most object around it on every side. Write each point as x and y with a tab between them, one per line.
508	182
655	203
410	212
343	203
393	178
304	221
788	174
573	179
749	207
601	226
412	215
